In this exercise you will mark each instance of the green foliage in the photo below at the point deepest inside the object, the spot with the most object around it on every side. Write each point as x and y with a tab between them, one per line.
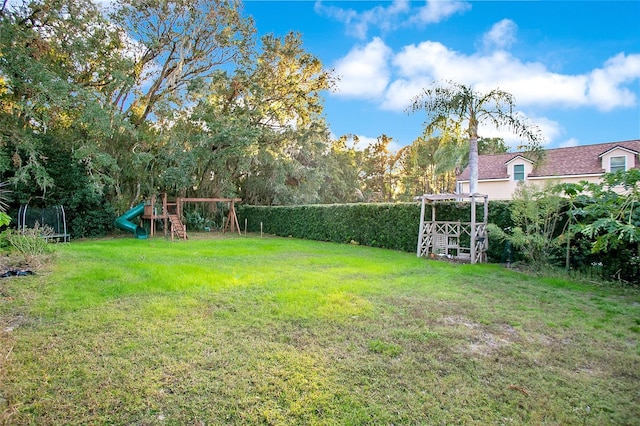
430	165
5	219
377	179
491	146
341	183
608	212
58	63
536	213
392	226
606	215
88	210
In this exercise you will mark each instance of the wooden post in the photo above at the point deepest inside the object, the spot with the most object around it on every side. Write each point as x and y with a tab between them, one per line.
421	231
260	229
165	213
245	226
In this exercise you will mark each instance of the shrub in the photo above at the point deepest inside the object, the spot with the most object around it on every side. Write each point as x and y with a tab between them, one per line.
385	225
31	245
537	214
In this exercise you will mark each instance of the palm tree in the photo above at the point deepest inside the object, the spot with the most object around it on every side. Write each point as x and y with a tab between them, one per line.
454	108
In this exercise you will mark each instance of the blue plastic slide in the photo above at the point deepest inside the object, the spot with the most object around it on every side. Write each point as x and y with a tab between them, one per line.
124	222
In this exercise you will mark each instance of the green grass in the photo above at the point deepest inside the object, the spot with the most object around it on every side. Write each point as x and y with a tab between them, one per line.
280	331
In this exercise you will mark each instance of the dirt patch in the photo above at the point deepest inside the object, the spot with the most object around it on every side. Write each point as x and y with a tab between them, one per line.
482	340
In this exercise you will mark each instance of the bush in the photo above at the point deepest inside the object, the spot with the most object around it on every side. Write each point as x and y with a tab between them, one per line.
395	227
385	225
31	245
537	215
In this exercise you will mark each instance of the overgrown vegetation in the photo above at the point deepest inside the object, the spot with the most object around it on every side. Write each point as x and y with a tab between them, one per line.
584	226
537	213
283	331
31	245
606	218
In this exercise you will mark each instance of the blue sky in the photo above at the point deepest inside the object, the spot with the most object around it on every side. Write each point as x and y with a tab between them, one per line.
572	66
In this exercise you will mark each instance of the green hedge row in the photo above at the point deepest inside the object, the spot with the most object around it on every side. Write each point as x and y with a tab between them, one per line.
390	226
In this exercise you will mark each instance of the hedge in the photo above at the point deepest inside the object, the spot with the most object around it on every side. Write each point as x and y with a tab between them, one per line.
385	225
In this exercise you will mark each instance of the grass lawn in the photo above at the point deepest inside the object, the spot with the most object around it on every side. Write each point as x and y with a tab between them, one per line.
277	331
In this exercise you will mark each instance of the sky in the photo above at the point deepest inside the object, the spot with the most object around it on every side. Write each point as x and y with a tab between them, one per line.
573	67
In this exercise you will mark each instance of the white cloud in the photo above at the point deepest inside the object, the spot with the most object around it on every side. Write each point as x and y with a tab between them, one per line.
531	83
571	142
376	73
399	13
435	11
549	129
605	87
502	35
364	72
401	92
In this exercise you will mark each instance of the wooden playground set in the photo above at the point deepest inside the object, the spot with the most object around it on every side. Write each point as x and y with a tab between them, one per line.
171	215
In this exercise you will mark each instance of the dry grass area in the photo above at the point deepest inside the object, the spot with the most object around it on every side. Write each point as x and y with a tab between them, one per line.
249	330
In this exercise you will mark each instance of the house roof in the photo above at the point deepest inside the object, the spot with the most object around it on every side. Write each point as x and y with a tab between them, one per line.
577	160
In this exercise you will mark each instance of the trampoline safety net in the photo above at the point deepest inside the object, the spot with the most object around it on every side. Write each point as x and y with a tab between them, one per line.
52	217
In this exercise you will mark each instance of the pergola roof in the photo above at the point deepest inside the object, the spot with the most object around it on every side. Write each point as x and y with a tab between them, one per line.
445	197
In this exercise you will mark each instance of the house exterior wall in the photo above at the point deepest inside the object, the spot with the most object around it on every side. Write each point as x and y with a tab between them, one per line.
495	189
504	189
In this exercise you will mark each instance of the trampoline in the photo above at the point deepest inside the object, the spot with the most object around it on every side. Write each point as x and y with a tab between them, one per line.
52	217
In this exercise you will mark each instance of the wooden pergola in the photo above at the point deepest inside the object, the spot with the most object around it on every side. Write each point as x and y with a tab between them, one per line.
447	238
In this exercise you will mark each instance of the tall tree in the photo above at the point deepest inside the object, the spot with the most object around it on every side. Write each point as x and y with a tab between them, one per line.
490	146
341	184
430	165
175	44
257	132
58	63
456	109
178	48
378	177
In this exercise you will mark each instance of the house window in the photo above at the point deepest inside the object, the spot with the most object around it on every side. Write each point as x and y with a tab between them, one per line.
617	164
518	172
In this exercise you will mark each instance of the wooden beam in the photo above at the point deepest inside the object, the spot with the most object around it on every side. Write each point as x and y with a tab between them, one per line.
206	200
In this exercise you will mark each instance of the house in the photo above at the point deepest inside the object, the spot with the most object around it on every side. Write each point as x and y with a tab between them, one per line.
500	174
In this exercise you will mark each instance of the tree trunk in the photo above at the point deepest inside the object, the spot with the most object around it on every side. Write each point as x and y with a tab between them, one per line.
473	165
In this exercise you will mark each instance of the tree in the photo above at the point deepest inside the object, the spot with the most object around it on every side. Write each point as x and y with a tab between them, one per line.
256	132
602	213
491	146
604	218
58	62
341	183
176	44
430	165
378	177
456	109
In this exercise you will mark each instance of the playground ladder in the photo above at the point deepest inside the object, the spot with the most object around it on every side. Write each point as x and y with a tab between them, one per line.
177	227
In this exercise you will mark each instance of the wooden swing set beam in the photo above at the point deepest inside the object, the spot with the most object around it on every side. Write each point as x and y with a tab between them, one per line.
232	223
